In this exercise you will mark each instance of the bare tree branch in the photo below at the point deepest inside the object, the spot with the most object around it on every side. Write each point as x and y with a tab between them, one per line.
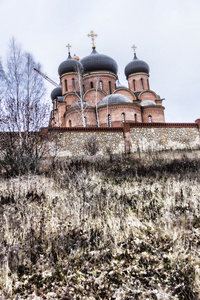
23	113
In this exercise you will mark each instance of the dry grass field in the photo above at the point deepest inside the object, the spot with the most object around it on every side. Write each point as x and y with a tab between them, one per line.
118	227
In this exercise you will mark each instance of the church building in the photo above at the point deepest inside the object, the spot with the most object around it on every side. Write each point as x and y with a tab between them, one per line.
90	94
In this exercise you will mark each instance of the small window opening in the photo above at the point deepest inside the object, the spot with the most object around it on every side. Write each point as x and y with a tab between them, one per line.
123	117
142	86
110	87
85	123
70	123
91	85
66	88
135	118
101	85
134	85
150	119
73	84
148	84
109	120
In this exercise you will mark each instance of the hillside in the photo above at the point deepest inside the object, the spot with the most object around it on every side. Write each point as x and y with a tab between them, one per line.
119	227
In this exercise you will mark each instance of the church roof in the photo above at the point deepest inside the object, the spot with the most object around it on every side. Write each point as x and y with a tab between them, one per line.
136	66
70	65
78	104
56	92
114	98
119	85
147	102
99	62
137	95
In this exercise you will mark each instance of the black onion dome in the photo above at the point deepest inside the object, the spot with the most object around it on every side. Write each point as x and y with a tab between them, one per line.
114	98
136	66
99	62
70	65
57	92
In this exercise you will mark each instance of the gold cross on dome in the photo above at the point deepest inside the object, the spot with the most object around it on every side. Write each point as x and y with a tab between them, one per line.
92	35
68	46
134	47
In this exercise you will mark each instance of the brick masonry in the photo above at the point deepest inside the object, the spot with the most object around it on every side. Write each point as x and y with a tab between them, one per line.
74	142
164	138
132	136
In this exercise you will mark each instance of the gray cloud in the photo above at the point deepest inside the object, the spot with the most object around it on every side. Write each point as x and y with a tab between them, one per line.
166	34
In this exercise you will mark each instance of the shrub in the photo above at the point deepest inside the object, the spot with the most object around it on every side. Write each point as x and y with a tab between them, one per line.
91	146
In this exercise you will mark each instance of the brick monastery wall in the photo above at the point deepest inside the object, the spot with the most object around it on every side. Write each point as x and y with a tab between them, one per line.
164	138
72	141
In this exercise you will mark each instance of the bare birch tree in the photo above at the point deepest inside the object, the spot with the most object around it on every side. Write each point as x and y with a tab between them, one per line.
23	113
96	101
80	95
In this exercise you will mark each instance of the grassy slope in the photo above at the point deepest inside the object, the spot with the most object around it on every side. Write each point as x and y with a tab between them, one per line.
112	228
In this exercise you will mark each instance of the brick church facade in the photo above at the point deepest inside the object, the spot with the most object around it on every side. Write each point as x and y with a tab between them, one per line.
90	94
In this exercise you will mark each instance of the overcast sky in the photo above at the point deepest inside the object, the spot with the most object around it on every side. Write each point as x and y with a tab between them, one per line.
166	33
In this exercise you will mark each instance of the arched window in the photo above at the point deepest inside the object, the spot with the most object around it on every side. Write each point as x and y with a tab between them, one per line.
123	117
85	123
142	86
110	87
150	119
73	84
101	85
134	85
148	84
66	89
70	123
135	118
109	120
91	85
